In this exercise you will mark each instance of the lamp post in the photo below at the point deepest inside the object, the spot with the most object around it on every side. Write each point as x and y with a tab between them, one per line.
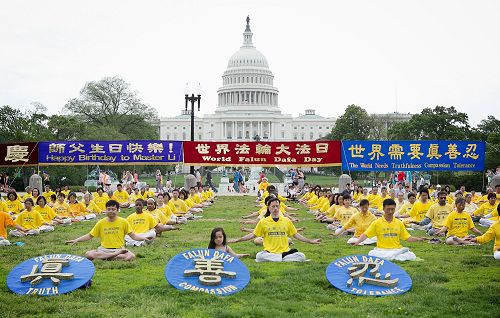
192	99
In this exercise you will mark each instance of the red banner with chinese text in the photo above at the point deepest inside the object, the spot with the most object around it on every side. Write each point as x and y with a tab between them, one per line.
297	153
19	154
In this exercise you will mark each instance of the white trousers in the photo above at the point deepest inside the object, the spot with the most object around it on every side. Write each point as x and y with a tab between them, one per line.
131	242
4	242
496	254
368	241
265	256
17	233
46	228
486	222
397	254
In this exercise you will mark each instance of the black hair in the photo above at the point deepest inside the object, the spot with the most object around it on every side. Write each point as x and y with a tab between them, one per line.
346	196
211	244
61	194
40	198
442	193
113	203
30	200
491	195
364	202
72	194
459	201
411	194
268	203
388	202
424	190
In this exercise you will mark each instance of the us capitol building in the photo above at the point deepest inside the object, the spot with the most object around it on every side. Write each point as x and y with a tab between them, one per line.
248	107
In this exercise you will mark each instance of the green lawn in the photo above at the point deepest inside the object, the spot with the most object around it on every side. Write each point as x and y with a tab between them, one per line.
449	282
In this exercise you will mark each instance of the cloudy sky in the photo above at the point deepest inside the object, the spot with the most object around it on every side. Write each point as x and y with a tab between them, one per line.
386	56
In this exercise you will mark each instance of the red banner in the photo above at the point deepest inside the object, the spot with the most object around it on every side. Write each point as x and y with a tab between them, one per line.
19	154
297	153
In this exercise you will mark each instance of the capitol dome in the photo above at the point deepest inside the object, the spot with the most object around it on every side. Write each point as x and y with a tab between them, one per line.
247	82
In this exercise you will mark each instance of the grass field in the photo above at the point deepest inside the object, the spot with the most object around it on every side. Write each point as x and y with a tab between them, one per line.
449	282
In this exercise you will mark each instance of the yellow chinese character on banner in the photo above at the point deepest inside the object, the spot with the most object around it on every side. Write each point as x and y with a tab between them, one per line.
17	153
134	147
202	148
75	148
396	152
97	148
356	151
222	148
262	149
470	152
59	148
304	149
243	149
155	147
433	152
321	147
415	151
376	153
115	148
282	149
452	152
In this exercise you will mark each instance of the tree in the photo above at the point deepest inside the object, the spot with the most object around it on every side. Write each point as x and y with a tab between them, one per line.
354	124
110	106
433	124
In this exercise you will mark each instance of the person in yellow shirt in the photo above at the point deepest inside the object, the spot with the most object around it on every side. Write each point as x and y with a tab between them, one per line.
144	225
28	190
90	206
35	193
357	194
419	210
377	200
193	207
178	206
457	225
170	211
148	192
78	209
47	193
344	213
66	191
62	210
262	186
470	206
5	222
485	213
111	230
493	232
436	215
13	204
136	195
31	221
121	196
497	192
275	231
360	221
100	199
373	196
158	214
389	231
47	213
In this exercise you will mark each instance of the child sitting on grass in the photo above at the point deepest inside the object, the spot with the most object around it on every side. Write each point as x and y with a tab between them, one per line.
218	242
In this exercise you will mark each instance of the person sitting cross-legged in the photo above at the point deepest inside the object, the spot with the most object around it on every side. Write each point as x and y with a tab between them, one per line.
144	225
493	232
275	229
31	221
457	225
111	230
360	221
389	231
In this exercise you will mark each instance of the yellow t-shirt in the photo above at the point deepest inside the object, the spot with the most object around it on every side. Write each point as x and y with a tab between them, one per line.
360	222
179	206
419	210
121	196
458	224
66	193
77	209
3	206
388	233
47	195
62	209
46	212
196	199
112	234
167	211
492	232
343	214
29	220
275	234
377	202
405	208
134	197
14	206
141	223
158	215
27	195
485	208
150	194
101	201
438	214
5	221
189	202
92	206
263	186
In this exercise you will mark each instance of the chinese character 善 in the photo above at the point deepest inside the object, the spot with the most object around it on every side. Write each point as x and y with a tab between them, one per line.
209	271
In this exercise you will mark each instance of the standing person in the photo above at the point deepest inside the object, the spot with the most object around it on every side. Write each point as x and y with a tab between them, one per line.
209	180
236	180
107	181
158	178
275	230
389	231
300	179
101	178
136	177
111	230
197	174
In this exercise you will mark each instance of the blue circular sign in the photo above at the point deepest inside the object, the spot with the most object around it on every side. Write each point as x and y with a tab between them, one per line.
366	275
209	271
51	275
